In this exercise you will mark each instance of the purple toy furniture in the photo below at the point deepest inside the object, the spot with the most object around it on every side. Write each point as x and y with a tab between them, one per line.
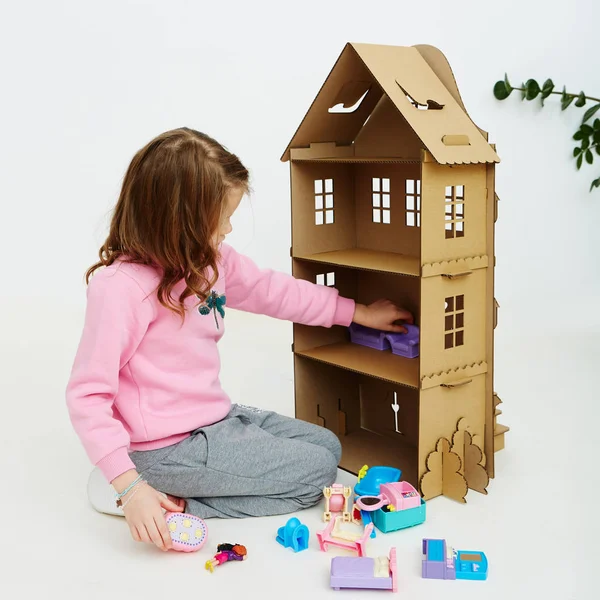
365	573
438	561
401	344
441	562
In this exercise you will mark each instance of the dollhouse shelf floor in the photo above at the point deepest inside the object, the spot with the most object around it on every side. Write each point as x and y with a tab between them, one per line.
370	260
375	363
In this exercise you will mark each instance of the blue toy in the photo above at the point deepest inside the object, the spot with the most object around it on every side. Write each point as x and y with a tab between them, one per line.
443	562
293	535
471	564
368	484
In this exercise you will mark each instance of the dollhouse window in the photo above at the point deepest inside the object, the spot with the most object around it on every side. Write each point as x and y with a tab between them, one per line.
381	200
327	279
324	202
455	211
454	322
413	203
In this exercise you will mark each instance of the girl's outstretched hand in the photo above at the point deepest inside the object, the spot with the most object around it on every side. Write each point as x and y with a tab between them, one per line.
382	315
145	517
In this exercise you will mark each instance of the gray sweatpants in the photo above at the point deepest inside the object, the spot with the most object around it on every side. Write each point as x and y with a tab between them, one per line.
253	463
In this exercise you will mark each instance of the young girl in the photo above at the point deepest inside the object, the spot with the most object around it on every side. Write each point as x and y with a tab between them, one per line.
144	394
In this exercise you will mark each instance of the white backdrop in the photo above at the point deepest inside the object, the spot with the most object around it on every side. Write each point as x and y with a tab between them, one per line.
84	85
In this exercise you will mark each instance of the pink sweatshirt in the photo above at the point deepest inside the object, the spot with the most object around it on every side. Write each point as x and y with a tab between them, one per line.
143	380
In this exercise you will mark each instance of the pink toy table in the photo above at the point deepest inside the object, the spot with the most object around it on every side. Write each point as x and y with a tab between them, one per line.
327	538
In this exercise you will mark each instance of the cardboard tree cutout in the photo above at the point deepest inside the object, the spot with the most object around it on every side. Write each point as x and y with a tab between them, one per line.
443	475
458	441
472	458
476	476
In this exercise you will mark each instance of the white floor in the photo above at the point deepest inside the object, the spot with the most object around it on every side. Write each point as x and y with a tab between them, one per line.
539	525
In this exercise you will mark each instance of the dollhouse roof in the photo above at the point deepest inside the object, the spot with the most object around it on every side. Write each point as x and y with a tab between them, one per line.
419	82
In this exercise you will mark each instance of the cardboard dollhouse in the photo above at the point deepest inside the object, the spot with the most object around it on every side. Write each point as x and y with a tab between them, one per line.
392	189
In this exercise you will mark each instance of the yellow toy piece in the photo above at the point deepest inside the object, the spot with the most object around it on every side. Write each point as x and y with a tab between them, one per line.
363	472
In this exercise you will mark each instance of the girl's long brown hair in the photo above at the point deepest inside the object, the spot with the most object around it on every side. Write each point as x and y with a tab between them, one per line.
169	209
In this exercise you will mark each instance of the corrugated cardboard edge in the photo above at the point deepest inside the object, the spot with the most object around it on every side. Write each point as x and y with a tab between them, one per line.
453	375
488	445
440	65
443	477
459	265
498	429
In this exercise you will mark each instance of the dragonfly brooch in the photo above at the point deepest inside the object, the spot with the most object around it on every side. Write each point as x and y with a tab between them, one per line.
214	303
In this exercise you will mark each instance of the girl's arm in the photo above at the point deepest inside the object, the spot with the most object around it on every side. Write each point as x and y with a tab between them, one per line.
282	296
117	316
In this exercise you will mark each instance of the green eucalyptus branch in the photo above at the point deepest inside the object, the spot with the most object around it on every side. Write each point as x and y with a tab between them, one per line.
588	134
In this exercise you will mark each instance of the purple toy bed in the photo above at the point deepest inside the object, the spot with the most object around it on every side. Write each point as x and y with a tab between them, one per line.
366	573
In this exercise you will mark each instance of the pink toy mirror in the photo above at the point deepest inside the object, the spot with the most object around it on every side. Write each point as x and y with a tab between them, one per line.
371	503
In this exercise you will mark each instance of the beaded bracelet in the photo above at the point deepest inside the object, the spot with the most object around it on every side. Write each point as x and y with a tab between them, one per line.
127	490
132	495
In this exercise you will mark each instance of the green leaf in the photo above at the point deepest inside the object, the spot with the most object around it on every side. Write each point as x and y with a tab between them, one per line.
587	130
597	123
576	151
598	149
585	143
547	89
596	136
532	89
589	157
500	91
595	183
580	100
590	112
579	161
565	99
578	135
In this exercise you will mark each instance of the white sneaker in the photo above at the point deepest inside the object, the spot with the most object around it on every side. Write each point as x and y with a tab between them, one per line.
102	495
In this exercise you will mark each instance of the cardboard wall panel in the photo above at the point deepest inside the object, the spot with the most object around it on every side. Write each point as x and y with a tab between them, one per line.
467	315
395	236
387	133
307	236
390	410
441	409
435	245
405	291
320	389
